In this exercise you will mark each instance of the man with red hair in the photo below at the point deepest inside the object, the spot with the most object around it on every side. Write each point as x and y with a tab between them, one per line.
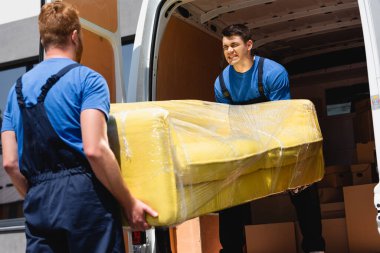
55	148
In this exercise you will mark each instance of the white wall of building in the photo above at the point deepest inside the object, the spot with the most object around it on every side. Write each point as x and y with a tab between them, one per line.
19	39
13	242
18	9
7	79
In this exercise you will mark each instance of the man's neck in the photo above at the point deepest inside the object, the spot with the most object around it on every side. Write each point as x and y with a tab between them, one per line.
244	65
55	52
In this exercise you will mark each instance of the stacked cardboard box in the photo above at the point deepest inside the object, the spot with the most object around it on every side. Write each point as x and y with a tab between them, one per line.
336	176
198	235
363	126
365	152
261	238
334	232
364	171
338	139
361	219
331	186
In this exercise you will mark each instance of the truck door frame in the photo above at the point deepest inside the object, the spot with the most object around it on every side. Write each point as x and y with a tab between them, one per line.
371	33
153	19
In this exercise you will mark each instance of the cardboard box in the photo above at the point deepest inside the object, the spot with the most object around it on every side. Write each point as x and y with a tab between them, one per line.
338	131
330	194
363	126
198	235
361	173
361	219
273	209
210	233
335	234
271	238
339	156
188	237
362	105
332	210
336	176
365	152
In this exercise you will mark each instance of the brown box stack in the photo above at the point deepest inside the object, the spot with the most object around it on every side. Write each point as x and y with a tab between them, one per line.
361	219
365	152
361	173
363	126
271	238
336	176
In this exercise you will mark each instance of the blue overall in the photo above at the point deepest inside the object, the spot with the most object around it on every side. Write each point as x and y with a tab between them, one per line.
66	208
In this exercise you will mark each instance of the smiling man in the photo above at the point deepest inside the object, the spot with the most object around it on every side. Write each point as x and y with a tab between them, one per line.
248	80
239	80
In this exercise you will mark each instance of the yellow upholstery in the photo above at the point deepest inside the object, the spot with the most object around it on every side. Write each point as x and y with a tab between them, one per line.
187	158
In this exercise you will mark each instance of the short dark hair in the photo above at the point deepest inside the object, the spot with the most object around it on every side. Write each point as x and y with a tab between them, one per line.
238	30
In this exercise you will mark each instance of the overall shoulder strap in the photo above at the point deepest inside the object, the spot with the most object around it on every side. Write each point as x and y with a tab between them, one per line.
20	96
54	79
225	92
260	76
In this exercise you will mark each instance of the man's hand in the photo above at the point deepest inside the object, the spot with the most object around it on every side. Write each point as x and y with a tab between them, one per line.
135	214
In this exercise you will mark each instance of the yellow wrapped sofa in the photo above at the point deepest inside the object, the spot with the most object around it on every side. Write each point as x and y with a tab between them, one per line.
186	158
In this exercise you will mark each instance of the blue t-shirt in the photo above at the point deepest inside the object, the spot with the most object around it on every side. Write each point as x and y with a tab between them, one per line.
244	86
79	89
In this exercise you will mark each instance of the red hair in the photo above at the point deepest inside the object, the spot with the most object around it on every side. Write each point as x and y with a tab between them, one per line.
57	21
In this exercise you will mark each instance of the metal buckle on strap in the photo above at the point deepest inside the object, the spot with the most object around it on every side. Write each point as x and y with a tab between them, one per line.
226	93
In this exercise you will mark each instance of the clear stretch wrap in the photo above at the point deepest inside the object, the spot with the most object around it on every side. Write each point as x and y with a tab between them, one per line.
186	158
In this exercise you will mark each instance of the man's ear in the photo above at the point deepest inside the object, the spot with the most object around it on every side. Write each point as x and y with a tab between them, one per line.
249	44
75	37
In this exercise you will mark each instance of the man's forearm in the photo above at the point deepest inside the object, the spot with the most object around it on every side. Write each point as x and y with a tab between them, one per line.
10	162
18	180
106	169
